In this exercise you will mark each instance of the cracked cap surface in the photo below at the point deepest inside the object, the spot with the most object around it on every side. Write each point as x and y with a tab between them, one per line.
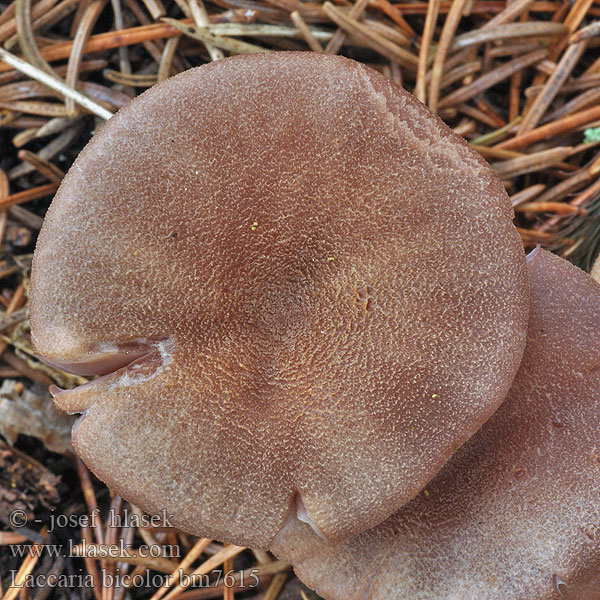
321	285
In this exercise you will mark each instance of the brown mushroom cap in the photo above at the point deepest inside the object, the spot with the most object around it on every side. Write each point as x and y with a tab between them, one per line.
320	282
516	512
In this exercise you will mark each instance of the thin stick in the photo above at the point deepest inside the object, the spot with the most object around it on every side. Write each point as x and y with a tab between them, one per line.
572	21
226	43
4	192
84	30
592	30
196	550
275	586
265	30
201	20
371	38
130	80
155	8
527	194
561	190
154	48
33	107
26	568
477	114
490	111
90	497
7	14
27	195
459	73
166	60
124	63
127	536
51	17
594	168
581	101
90	563
530	235
508	31
552	129
450	25
581	83
26	37
491	152
309	38
430	22
512	49
530	162
228	591
558	208
206	567
394	13
493	136
587	194
53	83
492	78
46	168
337	41
9	27
107	41
516	80
110	535
564	68
509	14
24	137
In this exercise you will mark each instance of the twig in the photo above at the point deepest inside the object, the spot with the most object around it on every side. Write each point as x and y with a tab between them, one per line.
337	41
206	567
189	559
555	82
307	34
218	41
200	17
444	45
88	20
28	195
26	568
430	21
527	194
505	32
552	129
492	78
372	39
26	37
53	84
530	163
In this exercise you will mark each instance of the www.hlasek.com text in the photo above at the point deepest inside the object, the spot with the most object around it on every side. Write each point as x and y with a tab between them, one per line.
118	550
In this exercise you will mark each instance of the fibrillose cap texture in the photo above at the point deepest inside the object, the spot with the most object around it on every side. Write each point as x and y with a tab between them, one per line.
515	513
320	283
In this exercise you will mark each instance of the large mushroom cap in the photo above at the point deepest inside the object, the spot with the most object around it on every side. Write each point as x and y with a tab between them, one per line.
516	512
320	283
